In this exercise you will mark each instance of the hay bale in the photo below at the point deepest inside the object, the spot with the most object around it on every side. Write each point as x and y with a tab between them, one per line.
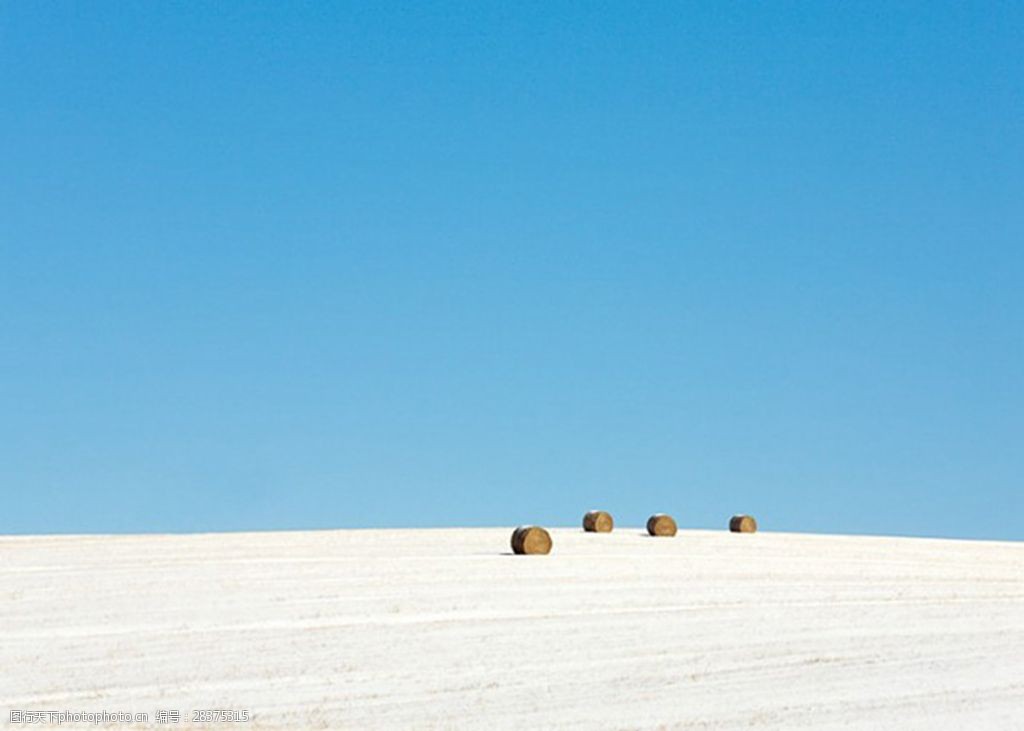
598	521
531	539
660	524
743	524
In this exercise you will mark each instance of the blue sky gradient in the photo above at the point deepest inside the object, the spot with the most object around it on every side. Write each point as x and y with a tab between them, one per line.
280	265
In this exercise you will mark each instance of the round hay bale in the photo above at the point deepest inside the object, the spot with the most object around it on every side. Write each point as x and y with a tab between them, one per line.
531	539
660	524
598	521
743	524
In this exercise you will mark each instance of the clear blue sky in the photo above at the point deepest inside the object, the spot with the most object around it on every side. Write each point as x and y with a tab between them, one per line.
294	265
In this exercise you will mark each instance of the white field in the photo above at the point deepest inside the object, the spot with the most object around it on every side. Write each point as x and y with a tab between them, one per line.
413	629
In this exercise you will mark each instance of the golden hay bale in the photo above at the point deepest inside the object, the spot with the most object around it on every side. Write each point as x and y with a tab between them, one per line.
530	539
743	524
598	521
660	524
